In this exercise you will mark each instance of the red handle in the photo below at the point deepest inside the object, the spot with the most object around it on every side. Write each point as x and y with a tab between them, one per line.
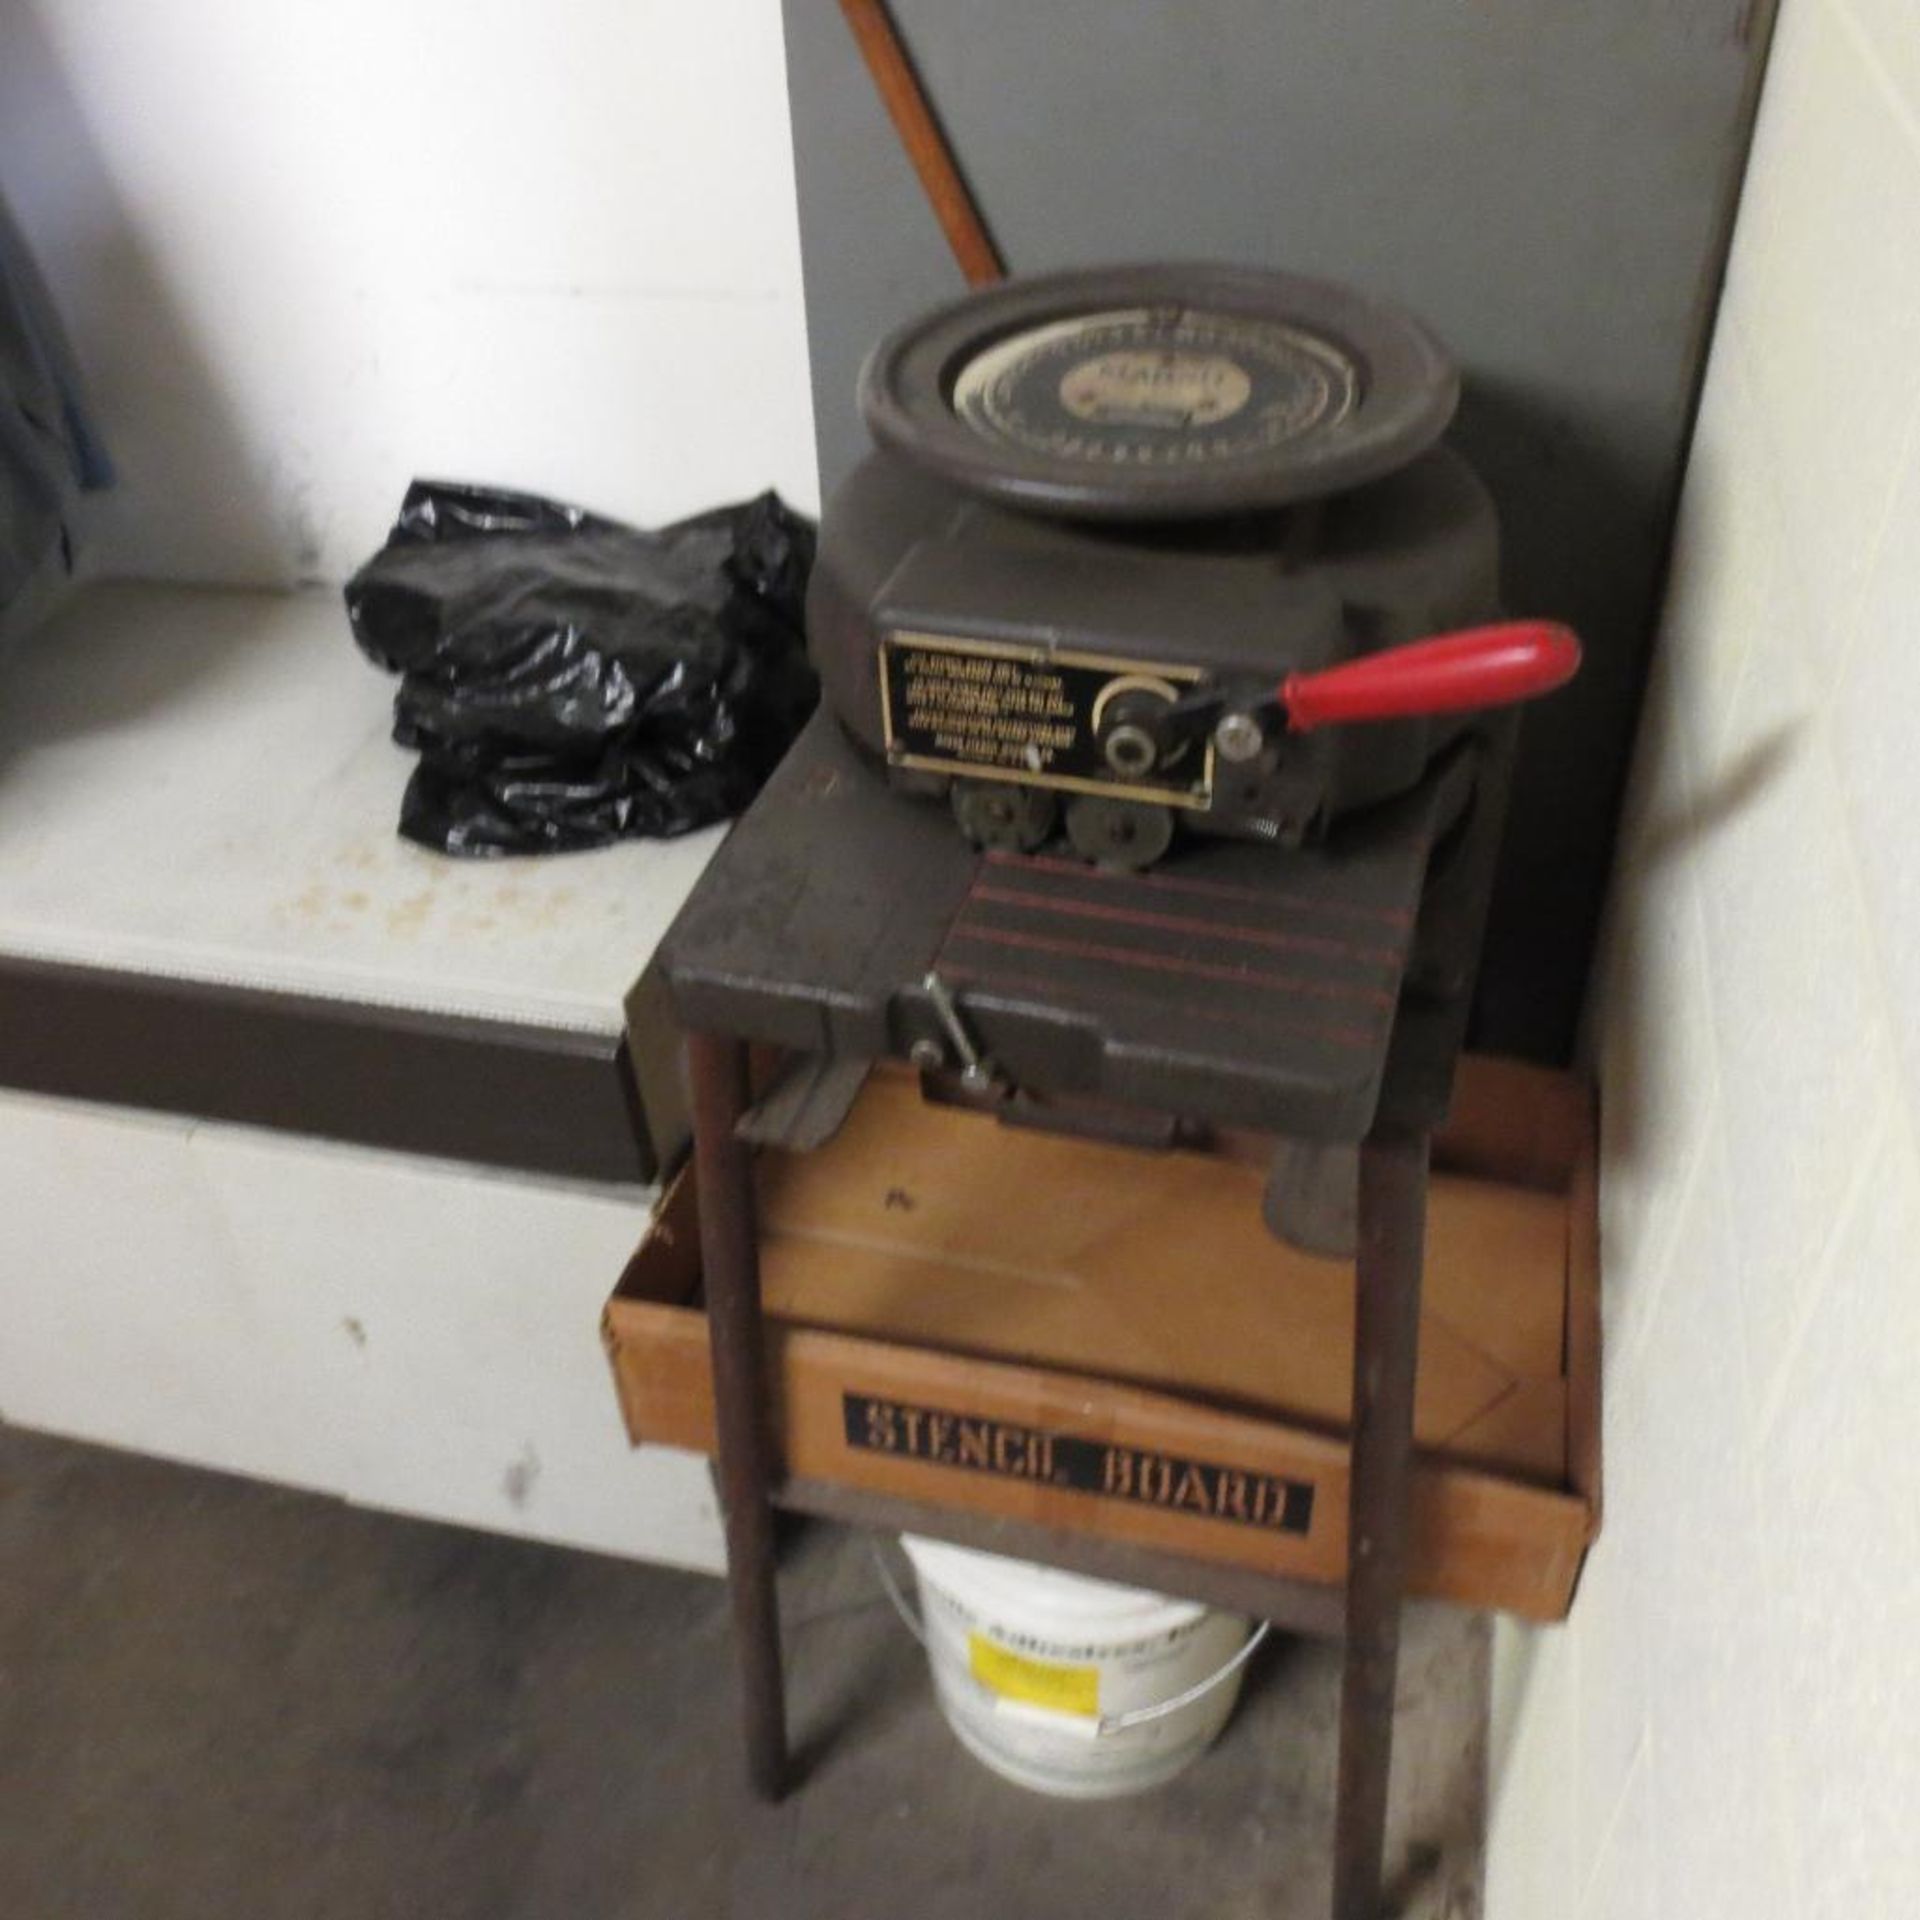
1476	667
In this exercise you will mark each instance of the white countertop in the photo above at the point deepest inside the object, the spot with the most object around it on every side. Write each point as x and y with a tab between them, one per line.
199	783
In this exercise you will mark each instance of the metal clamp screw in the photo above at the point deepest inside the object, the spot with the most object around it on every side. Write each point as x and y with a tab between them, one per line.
977	1072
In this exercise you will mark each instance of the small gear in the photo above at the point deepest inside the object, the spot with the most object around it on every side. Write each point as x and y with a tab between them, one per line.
1001	816
1128	834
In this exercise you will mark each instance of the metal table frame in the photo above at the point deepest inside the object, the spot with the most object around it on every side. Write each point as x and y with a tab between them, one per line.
1392	1221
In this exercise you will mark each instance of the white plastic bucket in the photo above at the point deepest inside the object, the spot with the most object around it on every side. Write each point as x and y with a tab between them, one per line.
1069	1686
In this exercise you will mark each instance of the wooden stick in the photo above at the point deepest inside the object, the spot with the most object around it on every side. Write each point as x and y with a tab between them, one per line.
927	146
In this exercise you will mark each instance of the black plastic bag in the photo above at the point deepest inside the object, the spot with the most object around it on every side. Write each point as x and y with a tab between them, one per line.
570	681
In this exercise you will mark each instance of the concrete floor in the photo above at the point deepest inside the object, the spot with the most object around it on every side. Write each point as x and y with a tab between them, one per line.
219	1698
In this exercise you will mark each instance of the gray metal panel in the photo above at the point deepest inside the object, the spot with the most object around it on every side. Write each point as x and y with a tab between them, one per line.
1545	181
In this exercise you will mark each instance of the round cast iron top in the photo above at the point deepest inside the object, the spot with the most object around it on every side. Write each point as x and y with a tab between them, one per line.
1162	392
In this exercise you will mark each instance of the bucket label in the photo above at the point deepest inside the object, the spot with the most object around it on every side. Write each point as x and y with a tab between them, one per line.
1034	1683
1015	1451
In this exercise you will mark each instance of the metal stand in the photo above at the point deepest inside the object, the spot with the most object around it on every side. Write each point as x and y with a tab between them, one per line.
730	1258
1386	1351
1392	1216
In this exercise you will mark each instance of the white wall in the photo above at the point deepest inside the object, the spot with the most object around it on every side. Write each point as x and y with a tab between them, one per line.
311	248
1730	1726
188	1290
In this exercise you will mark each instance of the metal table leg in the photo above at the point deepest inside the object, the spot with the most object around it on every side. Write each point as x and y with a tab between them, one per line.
1393	1203
730	1258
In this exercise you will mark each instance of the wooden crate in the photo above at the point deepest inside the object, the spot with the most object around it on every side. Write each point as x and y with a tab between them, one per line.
1078	1336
